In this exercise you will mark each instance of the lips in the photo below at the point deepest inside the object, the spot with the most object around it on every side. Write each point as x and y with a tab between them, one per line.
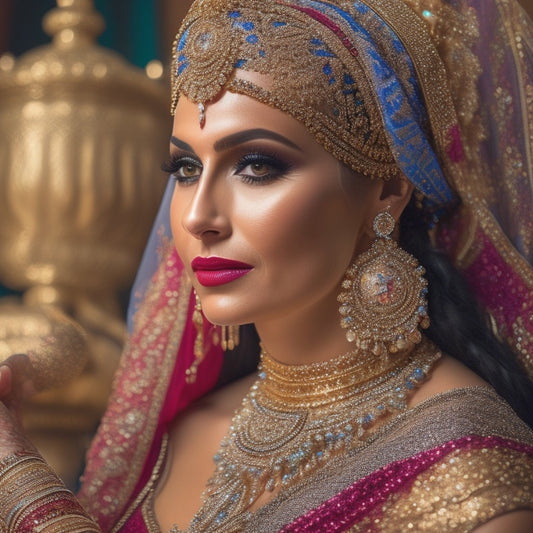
214	271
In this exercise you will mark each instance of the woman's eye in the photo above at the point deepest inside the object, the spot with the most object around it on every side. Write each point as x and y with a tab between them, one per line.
259	168
183	169
188	170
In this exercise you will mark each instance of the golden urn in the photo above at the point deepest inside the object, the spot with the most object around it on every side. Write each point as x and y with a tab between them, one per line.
82	137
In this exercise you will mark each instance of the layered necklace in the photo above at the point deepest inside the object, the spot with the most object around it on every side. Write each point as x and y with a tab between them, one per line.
295	418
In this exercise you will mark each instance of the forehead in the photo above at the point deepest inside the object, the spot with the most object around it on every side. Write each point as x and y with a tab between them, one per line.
230	113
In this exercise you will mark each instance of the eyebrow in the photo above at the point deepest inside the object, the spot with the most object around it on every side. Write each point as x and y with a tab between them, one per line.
180	144
251	135
238	138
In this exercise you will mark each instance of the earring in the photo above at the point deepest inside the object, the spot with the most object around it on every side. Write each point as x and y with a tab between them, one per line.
201	113
230	337
198	350
383	295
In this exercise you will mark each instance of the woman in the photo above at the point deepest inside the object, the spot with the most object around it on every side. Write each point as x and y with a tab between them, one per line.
304	131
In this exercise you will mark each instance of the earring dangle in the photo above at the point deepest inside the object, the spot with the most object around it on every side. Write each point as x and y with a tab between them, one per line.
230	337
201	115
383	295
198	350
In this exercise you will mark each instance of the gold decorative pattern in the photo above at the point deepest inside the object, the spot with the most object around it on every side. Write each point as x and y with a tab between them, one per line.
297	418
350	127
383	295
458	494
140	386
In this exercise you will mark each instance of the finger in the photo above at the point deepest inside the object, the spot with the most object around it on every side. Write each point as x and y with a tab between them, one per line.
5	381
12	438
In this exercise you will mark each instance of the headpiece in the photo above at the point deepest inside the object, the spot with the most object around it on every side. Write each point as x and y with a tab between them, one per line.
321	63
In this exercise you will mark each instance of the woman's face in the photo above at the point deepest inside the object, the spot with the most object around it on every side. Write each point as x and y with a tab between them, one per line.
265	220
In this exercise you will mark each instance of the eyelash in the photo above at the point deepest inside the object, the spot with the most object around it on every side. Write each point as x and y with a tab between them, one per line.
175	163
279	167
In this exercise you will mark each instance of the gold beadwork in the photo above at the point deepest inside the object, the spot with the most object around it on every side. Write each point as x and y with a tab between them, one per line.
230	337
459	493
32	495
199	349
218	48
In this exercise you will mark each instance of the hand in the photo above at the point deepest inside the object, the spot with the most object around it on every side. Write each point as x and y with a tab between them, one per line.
16	381
12	438
50	349
5	381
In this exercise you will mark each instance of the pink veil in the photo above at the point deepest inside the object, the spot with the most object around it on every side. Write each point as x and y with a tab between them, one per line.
151	384
490	238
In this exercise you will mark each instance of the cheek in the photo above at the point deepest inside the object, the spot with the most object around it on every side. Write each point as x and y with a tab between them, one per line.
303	226
175	217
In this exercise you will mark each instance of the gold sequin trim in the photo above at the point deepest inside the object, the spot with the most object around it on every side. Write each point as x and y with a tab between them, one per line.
458	494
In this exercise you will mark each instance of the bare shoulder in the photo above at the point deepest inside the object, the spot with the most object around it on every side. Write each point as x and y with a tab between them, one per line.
516	521
448	374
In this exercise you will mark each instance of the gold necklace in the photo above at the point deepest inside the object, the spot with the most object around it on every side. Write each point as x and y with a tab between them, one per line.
296	417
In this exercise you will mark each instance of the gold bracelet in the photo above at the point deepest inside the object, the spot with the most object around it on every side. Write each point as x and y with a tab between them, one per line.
33	497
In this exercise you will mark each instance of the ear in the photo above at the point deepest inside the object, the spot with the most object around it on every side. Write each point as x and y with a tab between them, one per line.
392	195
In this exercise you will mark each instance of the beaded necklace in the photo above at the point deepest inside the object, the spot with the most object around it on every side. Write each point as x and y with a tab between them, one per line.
297	417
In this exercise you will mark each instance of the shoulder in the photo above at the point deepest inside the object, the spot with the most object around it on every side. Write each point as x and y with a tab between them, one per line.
473	468
461	460
517	522
456	402
455	414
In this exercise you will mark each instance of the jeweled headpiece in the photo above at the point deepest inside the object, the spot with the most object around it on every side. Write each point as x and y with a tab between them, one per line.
323	63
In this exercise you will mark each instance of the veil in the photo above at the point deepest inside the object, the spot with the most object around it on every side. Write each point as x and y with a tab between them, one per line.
490	238
152	383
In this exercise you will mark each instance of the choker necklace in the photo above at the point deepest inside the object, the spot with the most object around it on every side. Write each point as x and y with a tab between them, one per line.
297	417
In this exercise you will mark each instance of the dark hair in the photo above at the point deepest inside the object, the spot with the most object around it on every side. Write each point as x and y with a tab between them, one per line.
458	325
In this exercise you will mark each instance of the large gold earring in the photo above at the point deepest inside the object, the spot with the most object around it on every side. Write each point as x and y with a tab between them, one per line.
230	337
383	295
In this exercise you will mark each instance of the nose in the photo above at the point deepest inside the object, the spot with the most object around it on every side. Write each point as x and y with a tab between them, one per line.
205	216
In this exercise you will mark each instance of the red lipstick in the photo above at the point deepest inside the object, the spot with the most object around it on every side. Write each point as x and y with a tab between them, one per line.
214	271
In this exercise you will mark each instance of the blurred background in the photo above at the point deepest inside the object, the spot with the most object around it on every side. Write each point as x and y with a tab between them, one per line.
141	30
84	127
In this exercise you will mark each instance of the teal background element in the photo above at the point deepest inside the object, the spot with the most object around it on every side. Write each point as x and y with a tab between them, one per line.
131	27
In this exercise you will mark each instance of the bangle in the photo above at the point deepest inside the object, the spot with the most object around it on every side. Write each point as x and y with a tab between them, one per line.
33	498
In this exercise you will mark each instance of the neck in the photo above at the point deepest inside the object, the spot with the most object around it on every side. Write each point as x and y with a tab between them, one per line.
305	337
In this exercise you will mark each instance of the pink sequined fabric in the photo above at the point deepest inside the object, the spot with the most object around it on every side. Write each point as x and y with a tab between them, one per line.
370	493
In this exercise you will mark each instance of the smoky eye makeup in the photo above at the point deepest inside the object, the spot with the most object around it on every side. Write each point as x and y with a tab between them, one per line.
255	161
262	167
184	168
